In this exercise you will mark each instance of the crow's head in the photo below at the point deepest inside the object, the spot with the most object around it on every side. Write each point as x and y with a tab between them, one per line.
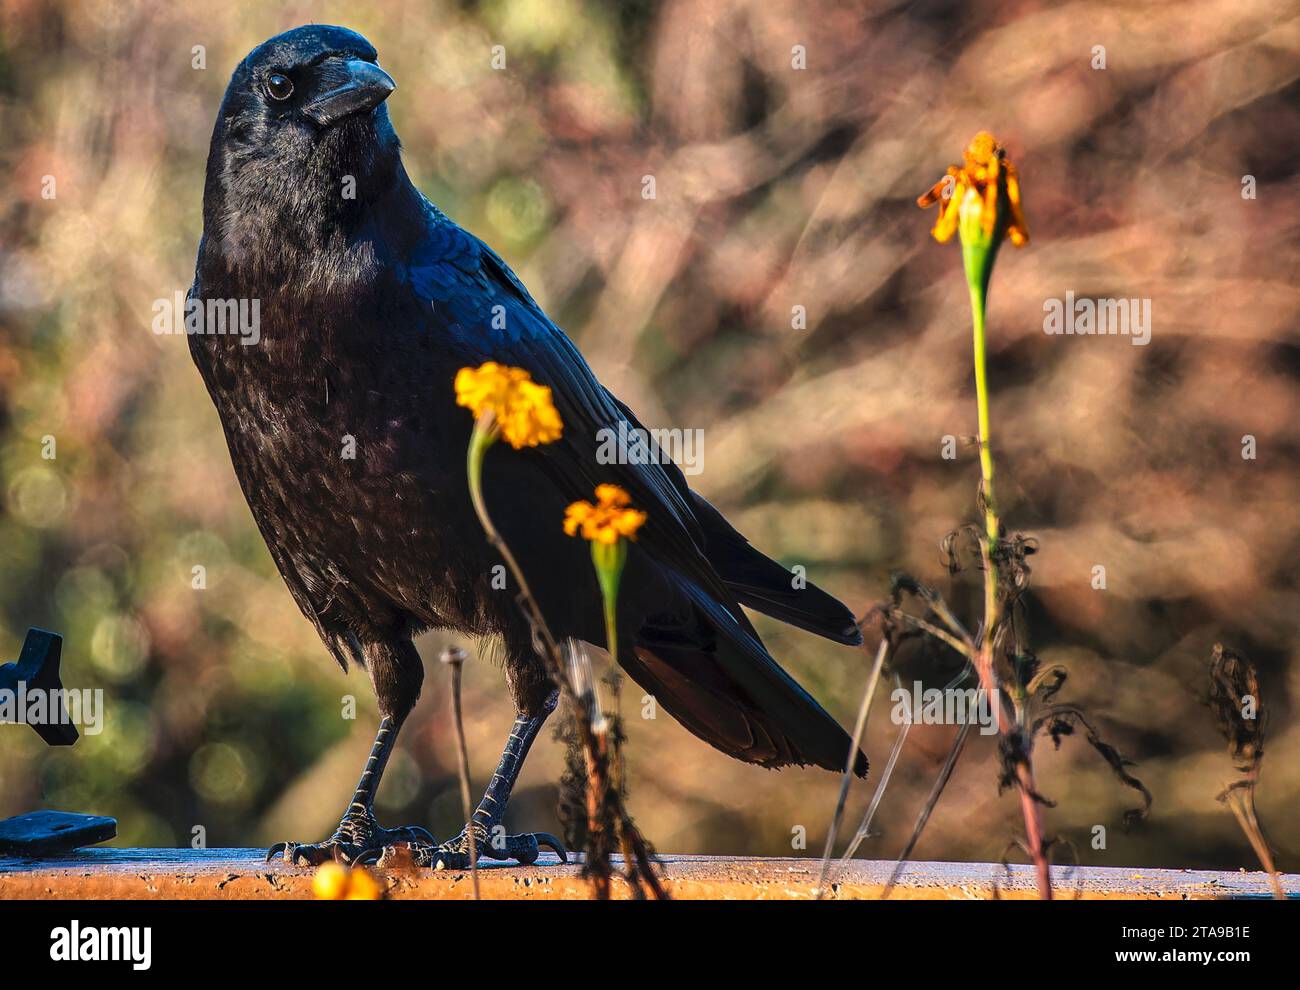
302	140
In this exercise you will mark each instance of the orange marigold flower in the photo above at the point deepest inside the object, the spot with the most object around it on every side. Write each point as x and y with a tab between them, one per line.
336	882
364	886
608	521
523	410
984	189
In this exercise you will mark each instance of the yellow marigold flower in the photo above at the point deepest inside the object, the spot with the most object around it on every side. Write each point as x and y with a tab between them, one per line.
330	882
363	886
608	521
984	190
335	882
523	410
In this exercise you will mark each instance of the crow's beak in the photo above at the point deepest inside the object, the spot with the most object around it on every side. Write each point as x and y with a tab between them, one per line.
355	87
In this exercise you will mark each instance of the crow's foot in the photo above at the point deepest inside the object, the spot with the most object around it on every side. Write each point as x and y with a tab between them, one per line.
454	853
357	836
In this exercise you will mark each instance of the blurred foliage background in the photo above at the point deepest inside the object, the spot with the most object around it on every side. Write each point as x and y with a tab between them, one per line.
776	188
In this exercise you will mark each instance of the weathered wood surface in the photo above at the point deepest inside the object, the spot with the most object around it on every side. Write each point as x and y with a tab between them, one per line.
241	874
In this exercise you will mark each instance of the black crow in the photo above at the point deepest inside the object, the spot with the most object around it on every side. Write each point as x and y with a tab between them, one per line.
341	421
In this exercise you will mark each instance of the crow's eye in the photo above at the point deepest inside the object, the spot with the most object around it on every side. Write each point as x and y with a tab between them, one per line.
279	86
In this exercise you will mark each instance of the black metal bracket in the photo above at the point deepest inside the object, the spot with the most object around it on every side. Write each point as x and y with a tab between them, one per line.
47	833
37	668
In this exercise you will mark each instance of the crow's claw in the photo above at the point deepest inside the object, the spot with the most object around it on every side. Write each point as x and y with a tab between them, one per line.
417	833
358	839
308	853
552	843
454	853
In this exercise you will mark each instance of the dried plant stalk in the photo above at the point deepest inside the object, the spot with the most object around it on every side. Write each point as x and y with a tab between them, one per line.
1239	712
454	657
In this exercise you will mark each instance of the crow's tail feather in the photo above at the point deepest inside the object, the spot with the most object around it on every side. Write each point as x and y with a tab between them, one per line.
715	677
765	586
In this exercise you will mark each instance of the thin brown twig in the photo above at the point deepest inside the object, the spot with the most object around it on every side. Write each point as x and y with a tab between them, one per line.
859	730
454	657
1242	802
864	826
964	648
940	608
958	744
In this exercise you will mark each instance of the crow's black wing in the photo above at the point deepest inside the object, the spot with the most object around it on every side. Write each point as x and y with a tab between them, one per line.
715	675
491	317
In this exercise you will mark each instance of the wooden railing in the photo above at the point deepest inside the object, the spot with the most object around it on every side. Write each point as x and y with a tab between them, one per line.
241	874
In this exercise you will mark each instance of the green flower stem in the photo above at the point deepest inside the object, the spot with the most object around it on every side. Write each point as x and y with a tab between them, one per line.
991	525
484	435
609	559
979	250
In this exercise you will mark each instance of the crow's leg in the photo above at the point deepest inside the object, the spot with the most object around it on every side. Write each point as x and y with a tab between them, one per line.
396	672
490	836
358	831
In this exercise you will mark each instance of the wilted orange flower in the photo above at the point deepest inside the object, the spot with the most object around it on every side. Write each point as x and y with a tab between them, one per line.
524	412
608	521
985	184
